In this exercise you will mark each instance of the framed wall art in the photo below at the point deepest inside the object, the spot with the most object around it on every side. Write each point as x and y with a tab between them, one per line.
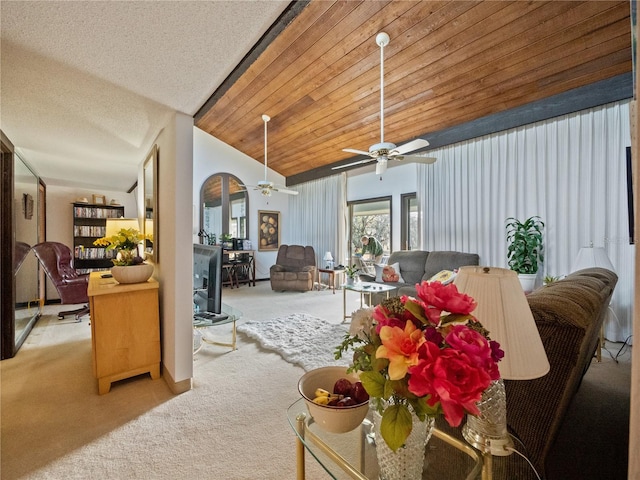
99	200
268	230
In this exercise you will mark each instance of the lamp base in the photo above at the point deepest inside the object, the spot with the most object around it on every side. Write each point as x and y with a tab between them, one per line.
488	431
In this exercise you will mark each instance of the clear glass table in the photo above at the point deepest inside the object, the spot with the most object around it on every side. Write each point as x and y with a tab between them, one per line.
366	289
353	454
199	324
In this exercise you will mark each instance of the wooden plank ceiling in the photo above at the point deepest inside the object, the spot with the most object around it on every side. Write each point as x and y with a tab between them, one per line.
448	62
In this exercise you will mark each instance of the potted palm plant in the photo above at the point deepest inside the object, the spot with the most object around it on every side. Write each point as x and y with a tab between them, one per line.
525	249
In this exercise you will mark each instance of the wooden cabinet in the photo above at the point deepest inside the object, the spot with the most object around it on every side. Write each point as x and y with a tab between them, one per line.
125	329
89	224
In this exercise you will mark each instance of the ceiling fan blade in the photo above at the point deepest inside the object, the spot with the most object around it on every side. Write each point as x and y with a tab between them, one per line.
411	146
359	162
359	152
419	159
284	190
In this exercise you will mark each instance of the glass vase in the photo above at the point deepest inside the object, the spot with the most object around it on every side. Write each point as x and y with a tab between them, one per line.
407	462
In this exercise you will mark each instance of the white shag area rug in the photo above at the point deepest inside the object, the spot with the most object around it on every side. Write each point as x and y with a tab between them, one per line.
301	339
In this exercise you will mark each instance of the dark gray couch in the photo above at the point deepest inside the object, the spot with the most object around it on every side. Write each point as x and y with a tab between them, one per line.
419	265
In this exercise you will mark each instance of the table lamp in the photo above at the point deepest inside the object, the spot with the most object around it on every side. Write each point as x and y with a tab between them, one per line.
328	260
504	311
592	257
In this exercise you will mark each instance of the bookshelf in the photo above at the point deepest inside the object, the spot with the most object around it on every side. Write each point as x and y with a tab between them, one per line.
89	224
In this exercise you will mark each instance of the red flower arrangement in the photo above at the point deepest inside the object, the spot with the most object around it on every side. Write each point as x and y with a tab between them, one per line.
429	353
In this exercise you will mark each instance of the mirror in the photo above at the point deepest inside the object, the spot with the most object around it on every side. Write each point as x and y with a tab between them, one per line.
224	203
150	189
27	303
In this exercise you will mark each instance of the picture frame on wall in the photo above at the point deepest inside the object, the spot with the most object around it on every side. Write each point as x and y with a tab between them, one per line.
268	230
27	205
99	200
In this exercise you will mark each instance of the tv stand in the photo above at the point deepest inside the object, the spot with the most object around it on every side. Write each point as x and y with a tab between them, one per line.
204	320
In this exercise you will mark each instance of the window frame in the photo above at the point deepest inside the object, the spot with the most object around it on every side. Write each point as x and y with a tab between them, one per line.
350	205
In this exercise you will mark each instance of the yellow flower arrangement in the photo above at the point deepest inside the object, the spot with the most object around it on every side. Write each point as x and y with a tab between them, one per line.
126	242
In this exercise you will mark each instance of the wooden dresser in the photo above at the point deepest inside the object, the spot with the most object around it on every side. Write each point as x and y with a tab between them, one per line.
125	329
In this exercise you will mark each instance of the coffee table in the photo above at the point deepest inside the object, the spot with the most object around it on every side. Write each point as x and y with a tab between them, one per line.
365	289
353	454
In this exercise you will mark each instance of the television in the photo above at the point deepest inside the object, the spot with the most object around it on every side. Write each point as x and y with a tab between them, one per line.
207	278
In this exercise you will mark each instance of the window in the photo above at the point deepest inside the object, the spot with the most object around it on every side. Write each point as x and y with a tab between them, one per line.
370	217
224	204
409	233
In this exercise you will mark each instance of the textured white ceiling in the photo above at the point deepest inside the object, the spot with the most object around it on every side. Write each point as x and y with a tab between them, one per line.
86	86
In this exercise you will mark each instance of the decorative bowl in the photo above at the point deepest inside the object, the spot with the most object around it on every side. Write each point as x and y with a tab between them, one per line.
132	273
330	418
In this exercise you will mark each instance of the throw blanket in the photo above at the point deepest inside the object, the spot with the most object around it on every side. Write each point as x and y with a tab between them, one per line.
301	339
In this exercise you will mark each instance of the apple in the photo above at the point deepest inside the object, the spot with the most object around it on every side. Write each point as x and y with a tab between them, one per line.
358	393
343	387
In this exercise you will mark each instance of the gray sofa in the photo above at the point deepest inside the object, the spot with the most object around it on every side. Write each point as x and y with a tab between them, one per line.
419	265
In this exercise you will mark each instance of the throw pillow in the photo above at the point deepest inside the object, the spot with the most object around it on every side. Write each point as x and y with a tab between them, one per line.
391	273
444	276
378	269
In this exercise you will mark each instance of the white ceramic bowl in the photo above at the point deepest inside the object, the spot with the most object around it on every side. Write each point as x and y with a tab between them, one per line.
331	419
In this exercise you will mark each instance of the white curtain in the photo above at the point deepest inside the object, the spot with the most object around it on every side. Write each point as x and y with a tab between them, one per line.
570	170
317	217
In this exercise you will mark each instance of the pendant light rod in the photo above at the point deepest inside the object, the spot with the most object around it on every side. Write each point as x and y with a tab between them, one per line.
265	118
382	39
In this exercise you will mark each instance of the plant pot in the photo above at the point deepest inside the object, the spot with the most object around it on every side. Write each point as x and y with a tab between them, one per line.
528	281
132	273
351	280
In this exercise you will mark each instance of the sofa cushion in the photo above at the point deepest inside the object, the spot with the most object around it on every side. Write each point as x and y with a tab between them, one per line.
378	269
445	277
411	264
391	274
447	260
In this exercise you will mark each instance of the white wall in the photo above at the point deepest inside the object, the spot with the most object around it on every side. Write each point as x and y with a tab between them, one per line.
174	263
211	156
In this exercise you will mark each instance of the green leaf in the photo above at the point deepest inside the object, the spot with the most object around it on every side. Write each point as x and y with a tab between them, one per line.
396	426
373	383
417	311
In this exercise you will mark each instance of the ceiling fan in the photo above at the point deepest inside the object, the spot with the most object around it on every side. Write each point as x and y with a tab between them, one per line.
264	186
384	151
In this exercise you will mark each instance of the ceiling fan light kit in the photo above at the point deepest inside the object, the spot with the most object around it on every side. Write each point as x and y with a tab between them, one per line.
382	152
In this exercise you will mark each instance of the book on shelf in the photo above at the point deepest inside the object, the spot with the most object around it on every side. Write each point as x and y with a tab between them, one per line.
96	212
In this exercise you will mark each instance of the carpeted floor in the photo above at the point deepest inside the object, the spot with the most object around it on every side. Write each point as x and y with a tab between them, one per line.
232	424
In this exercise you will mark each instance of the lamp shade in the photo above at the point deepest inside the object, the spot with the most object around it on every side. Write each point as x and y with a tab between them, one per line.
114	225
328	257
504	311
592	257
